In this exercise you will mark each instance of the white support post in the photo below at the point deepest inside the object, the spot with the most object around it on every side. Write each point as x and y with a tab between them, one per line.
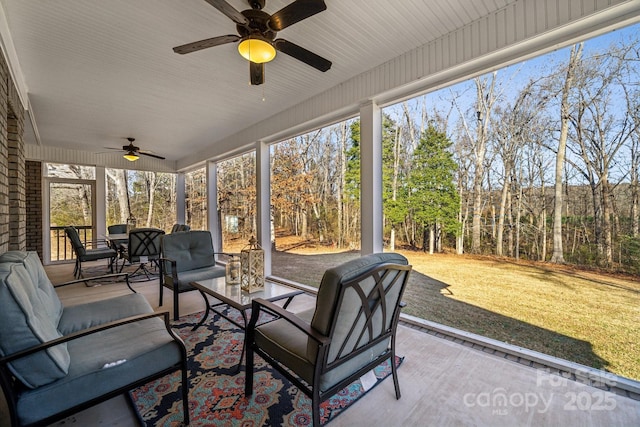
263	202
181	212
101	202
213	221
371	178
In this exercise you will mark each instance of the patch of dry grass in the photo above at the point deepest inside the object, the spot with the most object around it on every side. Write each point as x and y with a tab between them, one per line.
585	317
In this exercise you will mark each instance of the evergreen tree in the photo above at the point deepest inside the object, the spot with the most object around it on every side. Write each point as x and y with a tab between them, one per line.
433	199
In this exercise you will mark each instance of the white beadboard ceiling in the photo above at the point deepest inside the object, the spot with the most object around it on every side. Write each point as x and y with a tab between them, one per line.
99	71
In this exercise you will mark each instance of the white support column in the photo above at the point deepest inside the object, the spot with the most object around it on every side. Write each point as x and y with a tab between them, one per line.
371	178
263	202
101	202
46	219
180	199
213	222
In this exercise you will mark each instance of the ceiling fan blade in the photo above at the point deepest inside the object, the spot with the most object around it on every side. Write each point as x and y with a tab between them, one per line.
146	153
229	10
295	12
302	54
256	71
207	43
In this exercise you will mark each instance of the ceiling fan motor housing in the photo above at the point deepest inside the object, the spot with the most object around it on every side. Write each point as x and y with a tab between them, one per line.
256	4
257	26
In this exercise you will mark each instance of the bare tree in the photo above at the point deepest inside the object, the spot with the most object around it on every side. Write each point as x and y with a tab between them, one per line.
119	179
485	100
599	135
574	58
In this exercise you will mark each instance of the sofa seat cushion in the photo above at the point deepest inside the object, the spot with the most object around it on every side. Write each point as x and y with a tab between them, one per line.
83	316
186	277
28	320
103	362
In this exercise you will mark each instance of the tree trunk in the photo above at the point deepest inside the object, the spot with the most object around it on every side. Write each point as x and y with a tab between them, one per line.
558	254
484	103
151	195
503	205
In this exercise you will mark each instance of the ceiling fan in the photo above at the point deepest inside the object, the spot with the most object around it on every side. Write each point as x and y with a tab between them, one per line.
132	153
257	34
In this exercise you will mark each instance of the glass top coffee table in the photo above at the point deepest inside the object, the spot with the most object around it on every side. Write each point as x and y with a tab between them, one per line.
233	296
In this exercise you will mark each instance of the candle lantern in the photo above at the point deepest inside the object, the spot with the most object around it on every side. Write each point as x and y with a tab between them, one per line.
131	223
232	276
252	267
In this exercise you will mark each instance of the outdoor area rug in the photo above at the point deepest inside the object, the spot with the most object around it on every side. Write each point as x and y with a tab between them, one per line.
216	394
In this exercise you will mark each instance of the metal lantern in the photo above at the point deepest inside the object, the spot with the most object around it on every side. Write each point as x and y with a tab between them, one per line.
252	267
232	276
131	223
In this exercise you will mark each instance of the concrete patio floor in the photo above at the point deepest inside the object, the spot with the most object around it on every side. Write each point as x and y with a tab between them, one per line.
446	379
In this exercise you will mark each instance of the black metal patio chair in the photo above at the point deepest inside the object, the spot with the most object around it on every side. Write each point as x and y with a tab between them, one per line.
351	330
85	254
143	248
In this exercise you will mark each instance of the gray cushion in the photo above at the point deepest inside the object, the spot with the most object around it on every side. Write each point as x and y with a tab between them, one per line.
186	277
98	253
25	316
333	277
145	347
344	317
83	316
192	250
74	237
47	294
286	343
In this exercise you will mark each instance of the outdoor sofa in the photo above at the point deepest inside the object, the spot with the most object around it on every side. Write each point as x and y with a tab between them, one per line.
57	360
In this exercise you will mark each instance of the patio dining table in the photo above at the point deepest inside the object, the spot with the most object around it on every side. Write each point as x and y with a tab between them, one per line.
117	241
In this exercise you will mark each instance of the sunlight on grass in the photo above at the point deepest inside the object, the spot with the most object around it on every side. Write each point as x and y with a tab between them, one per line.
579	316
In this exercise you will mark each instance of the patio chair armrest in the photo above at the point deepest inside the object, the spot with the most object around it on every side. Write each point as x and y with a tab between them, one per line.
172	271
97	243
173	264
226	254
90	279
260	304
92	330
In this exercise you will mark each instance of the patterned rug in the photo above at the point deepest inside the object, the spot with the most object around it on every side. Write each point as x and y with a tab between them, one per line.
216	392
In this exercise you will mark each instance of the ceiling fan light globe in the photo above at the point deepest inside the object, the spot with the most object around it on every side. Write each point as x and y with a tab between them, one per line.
131	156
256	50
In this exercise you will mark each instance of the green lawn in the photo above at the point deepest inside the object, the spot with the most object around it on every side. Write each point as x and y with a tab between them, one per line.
585	317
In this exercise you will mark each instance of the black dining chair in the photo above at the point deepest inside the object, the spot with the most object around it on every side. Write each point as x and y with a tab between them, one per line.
84	254
178	228
117	229
143	248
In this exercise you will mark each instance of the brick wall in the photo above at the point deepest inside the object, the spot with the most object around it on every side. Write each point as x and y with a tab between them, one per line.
33	188
4	160
17	195
13	219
